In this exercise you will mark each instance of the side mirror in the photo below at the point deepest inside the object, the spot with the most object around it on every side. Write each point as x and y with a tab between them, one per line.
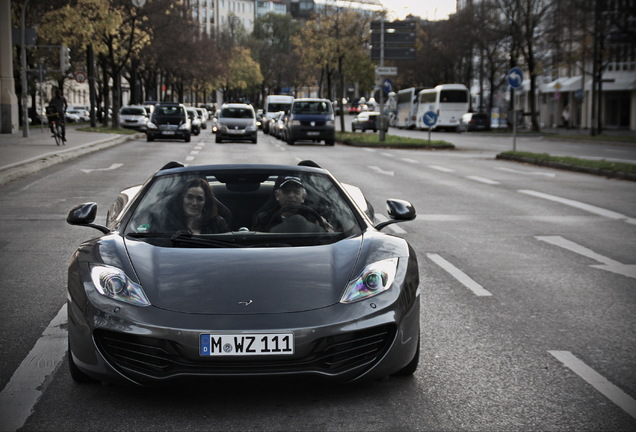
84	215
399	211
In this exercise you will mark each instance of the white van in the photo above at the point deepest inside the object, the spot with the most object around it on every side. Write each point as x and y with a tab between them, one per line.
274	104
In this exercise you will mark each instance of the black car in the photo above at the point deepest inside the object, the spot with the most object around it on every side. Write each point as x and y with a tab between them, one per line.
474	122
169	121
260	287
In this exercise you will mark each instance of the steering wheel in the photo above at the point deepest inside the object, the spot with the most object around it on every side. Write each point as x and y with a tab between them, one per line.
299	209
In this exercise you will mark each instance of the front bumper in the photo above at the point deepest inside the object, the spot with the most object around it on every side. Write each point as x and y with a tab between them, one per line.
112	341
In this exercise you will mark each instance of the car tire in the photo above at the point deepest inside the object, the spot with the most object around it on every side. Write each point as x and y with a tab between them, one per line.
218	139
149	138
290	141
77	375
187	138
254	141
330	142
410	368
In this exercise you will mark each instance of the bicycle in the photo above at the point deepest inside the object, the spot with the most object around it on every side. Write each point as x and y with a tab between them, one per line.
56	128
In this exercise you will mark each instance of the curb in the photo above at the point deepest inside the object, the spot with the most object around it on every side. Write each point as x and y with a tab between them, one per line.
30	166
399	146
562	166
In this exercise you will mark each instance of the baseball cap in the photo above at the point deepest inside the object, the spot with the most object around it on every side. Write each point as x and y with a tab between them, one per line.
288	180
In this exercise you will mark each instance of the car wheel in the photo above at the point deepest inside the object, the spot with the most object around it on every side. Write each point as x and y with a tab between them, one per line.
77	375
187	138
254	141
290	141
149	138
330	142
410	368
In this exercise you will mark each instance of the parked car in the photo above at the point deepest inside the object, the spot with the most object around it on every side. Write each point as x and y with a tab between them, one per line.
369	120
236	122
474	122
311	119
82	115
133	117
169	120
71	117
151	303
195	121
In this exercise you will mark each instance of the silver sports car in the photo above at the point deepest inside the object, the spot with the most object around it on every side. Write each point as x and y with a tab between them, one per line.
239	270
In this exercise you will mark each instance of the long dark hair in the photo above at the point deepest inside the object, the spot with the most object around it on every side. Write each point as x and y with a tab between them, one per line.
210	209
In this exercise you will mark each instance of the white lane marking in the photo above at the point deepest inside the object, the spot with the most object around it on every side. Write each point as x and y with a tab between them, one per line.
189	158
413	161
395	228
381	171
483	180
582	206
387	154
608	264
194	152
596	380
462	277
25	387
370	150
110	168
536	173
441	168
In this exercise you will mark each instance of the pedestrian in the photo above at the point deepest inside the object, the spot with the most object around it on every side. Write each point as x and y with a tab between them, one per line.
565	117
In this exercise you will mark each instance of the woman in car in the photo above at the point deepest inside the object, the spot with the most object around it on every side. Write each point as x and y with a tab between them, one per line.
194	209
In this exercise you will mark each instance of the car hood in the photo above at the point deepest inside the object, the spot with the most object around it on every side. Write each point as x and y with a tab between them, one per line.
244	280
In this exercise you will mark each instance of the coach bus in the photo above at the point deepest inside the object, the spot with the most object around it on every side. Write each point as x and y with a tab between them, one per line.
448	101
407	108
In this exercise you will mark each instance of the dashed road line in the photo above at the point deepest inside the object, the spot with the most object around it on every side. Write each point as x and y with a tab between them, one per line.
581	206
596	380
441	168
483	180
608	264
534	173
462	277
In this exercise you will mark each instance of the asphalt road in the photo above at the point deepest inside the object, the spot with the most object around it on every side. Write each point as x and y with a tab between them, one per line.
528	297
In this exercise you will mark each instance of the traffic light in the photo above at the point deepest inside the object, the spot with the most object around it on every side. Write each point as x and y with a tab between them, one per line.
65	58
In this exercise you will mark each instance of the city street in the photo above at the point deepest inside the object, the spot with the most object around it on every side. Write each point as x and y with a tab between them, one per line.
527	274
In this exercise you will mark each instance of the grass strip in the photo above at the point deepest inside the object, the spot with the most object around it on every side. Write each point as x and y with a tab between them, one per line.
373	140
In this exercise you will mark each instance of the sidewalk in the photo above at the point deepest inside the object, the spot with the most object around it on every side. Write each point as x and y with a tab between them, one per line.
20	156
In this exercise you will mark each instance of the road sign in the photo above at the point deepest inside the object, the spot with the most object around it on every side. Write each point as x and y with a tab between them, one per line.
387	85
429	118
386	70
80	77
393	53
515	78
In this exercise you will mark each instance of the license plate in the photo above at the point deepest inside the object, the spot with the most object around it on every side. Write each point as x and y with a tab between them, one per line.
216	345
167	133
313	133
239	131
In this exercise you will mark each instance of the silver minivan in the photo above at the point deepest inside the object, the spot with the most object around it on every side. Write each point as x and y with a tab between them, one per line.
236	122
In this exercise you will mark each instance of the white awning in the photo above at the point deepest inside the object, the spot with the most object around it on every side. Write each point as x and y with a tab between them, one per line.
563	85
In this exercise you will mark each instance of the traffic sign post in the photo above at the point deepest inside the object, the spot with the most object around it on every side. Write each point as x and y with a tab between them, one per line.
515	79
429	119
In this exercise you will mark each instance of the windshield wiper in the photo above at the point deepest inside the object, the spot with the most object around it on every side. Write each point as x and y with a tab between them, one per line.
186	237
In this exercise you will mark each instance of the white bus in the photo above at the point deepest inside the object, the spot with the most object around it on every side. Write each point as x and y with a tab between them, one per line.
406	108
448	101
273	104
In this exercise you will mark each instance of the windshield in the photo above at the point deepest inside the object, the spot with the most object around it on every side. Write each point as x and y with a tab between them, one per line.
132	111
251	208
237	113
274	107
311	107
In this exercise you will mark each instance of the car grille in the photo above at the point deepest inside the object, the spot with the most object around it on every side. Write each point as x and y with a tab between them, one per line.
168	127
159	358
315	123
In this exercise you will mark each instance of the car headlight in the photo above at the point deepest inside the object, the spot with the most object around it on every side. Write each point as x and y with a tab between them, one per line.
113	282
295	123
250	128
151	125
329	123
185	126
374	279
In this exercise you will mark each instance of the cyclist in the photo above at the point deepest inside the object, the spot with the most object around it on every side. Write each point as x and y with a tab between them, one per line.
59	103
